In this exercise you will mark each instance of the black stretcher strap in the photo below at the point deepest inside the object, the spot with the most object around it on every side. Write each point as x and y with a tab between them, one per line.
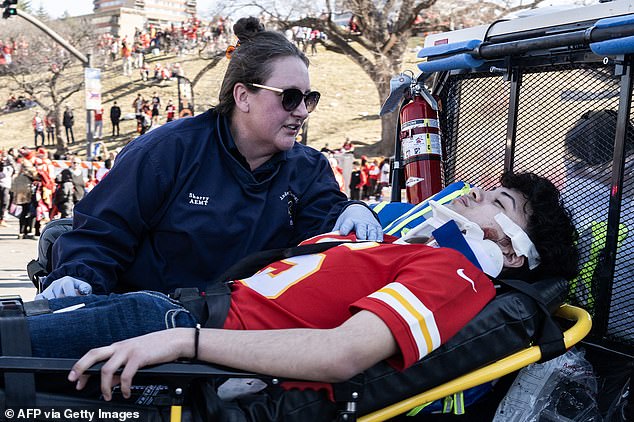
551	339
218	293
253	263
212	306
218	301
15	340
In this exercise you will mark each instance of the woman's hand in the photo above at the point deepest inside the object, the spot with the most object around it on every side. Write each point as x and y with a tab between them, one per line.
132	354
362	220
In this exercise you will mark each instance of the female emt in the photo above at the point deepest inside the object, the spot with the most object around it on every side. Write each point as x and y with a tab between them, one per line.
189	199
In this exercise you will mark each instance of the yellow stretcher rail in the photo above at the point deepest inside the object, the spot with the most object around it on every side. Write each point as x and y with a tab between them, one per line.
176	413
504	366
518	360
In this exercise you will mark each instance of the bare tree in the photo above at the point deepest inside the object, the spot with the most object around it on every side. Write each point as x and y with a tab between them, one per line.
44	71
378	40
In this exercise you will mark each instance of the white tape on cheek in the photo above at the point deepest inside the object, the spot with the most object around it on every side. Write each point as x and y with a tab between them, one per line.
522	244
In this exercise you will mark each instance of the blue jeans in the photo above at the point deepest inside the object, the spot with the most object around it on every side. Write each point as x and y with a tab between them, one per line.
102	321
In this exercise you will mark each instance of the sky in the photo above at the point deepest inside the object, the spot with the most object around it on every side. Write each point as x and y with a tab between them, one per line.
56	8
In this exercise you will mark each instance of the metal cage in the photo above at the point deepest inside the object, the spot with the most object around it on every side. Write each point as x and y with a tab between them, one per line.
525	116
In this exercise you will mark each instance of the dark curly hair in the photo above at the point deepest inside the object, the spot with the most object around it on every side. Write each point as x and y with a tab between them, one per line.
549	226
251	60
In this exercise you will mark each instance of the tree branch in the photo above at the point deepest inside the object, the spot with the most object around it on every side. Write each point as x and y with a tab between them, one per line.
214	61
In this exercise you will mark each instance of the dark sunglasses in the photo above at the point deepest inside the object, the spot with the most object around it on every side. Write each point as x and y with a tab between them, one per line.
292	97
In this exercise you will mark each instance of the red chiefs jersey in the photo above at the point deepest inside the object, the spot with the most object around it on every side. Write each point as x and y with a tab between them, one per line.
423	294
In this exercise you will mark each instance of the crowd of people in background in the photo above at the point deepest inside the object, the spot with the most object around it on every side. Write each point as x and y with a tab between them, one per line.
149	111
36	189
153	41
18	103
191	36
10	47
368	177
134	57
304	36
160	72
131	51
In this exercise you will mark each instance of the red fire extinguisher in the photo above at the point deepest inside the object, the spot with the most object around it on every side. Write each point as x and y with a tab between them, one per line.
421	146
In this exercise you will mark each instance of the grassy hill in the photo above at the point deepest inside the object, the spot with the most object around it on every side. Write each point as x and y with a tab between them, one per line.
349	104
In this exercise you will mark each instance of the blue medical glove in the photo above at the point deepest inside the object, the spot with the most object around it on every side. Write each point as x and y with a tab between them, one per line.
64	287
362	220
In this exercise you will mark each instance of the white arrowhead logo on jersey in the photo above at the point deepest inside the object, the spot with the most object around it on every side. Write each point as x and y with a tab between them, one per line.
461	273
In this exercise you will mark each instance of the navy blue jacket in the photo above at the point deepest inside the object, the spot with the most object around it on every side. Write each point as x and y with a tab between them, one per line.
178	208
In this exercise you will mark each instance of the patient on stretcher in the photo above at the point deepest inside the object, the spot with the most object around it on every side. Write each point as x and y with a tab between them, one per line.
327	316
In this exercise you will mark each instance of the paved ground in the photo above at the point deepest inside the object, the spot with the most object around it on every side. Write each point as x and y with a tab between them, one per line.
14	255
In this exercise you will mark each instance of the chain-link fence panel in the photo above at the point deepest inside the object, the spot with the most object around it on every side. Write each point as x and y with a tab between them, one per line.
474	119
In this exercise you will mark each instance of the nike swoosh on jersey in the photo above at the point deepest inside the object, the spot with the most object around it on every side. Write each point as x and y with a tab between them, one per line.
461	274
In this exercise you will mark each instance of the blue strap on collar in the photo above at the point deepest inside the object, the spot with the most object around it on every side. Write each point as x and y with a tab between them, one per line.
449	236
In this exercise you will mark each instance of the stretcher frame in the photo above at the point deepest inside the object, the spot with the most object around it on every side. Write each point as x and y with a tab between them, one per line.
175	373
573	335
581	327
